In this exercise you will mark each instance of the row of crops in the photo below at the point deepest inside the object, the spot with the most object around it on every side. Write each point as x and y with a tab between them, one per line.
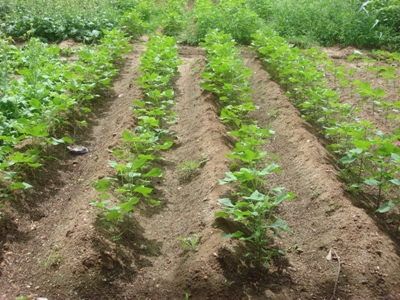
369	157
136	162
43	90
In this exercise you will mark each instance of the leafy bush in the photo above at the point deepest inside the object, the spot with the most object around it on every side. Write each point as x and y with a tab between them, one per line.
56	20
324	22
230	16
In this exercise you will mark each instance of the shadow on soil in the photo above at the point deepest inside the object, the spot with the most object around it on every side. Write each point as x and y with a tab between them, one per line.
118	258
241	271
47	180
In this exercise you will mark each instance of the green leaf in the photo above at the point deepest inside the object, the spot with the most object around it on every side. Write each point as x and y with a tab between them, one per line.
154	202
155	172
127	136
166	145
233	235
279	224
114	214
101	185
67	140
373	182
145	191
221	214
228	178
362	144
139	103
57	141
104	196
138	163
256	196
394	181
35	103
348	159
386	207
226	202
112	163
20	186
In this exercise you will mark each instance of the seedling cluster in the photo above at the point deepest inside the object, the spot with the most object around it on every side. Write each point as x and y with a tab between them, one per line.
41	92
369	158
254	201
136	160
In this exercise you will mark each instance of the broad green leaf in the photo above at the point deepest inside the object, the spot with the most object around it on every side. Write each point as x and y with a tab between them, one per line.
145	191
112	163
101	185
394	181
155	172
279	224
57	141
127	136
138	163
256	196
386	207
348	159
154	202
67	140
20	186
35	103
104	196
226	202
166	145
139	103
373	182
228	178
362	144
114	214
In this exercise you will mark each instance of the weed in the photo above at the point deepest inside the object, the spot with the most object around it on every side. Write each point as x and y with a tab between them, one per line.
189	168
191	242
53	260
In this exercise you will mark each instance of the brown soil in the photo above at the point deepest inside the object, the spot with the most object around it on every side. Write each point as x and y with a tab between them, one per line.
53	246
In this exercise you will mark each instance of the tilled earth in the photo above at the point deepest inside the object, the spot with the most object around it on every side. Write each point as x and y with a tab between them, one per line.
53	246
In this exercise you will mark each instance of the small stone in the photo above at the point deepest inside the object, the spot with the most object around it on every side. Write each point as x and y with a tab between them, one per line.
205	277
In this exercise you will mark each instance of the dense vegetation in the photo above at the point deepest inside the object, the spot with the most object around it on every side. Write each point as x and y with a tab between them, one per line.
373	23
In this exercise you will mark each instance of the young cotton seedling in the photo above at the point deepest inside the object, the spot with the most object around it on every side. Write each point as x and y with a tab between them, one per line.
191	242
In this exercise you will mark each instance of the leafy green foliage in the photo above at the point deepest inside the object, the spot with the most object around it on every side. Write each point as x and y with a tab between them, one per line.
368	157
228	79
230	16
56	20
328	23
40	91
134	169
191	242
